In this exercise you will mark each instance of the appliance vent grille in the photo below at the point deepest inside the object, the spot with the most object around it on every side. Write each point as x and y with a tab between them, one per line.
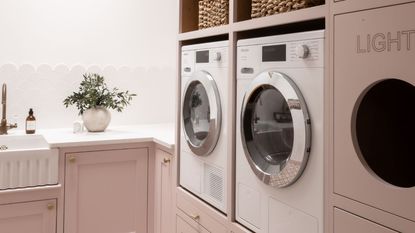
214	183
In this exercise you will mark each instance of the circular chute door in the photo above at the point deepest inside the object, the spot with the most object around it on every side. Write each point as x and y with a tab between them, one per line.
275	129
201	113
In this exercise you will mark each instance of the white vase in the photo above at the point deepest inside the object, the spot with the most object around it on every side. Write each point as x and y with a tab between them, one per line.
96	119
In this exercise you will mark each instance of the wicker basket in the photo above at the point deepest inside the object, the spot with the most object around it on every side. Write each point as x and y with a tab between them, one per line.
262	8
213	13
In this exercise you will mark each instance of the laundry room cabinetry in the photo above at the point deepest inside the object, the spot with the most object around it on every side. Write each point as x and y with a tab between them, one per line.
240	19
33	217
241	26
106	189
182	226
198	215
346	222
163	190
371	173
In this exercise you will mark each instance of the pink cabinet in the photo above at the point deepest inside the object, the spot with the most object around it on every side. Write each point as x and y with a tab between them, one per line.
183	227
33	217
106	191
345	222
199	215
163	182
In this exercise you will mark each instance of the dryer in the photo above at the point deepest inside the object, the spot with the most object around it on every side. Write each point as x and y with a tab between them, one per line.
374	108
203	140
279	144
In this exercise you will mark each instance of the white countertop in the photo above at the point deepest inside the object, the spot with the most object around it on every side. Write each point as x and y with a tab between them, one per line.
162	134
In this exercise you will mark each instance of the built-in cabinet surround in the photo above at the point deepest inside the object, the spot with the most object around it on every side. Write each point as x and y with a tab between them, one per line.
343	212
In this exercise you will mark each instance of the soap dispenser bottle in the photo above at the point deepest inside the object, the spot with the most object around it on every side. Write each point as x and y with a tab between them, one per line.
30	123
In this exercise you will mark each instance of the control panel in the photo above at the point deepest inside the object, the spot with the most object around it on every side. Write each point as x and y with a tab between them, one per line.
301	53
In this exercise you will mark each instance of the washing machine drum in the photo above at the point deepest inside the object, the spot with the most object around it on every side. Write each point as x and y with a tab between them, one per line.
275	129
201	113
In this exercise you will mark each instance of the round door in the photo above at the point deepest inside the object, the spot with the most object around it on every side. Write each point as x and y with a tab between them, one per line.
201	113
275	129
382	130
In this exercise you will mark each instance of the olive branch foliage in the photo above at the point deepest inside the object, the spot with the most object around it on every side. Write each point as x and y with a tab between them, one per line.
93	92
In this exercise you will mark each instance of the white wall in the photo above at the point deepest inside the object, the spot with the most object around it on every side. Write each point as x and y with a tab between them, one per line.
109	36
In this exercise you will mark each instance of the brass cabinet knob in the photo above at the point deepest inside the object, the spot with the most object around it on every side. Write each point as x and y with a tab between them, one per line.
72	159
195	217
51	206
166	160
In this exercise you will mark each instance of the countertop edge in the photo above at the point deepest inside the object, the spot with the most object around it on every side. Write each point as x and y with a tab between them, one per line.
160	134
111	142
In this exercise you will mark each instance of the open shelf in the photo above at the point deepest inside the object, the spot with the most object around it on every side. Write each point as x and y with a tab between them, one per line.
306	14
208	32
242	8
189	16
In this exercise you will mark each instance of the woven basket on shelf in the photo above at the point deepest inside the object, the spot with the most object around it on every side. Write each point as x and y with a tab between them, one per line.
213	13
262	8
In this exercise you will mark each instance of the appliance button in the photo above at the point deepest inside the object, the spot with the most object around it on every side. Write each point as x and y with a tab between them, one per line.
187	69
247	70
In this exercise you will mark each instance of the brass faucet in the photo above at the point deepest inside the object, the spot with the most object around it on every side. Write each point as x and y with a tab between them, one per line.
4	127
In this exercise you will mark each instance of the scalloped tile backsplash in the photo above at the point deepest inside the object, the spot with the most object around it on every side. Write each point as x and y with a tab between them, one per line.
44	87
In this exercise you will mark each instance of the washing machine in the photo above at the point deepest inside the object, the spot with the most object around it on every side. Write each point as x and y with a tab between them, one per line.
203	153
279	144
374	108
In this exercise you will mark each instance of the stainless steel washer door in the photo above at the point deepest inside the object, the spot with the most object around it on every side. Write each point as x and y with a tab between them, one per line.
201	113
275	129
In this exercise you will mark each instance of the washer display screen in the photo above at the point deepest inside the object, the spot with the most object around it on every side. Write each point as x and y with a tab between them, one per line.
274	53
202	56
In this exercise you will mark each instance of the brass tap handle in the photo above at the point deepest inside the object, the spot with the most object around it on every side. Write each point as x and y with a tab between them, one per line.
166	160
11	126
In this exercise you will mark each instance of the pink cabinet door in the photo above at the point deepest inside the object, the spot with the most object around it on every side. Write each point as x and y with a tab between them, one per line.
163	192
184	227
33	217
106	191
345	222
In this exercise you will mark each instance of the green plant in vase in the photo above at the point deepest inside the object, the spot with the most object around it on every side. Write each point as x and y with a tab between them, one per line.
93	100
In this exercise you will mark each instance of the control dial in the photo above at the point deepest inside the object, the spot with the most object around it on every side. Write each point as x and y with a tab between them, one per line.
302	51
217	56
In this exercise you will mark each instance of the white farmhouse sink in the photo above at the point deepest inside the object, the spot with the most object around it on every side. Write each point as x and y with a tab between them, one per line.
23	142
27	161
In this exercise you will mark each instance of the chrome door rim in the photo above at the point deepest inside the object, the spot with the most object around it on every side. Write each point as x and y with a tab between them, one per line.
209	143
297	160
